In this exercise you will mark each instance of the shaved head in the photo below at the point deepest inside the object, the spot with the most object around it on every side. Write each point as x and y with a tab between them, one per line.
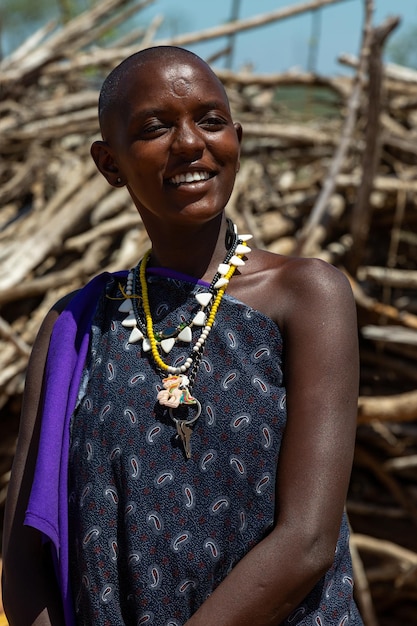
115	86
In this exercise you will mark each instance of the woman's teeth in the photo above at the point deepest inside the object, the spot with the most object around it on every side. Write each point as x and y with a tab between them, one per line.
189	177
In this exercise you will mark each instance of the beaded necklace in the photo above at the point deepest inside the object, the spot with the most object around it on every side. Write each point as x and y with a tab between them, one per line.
177	382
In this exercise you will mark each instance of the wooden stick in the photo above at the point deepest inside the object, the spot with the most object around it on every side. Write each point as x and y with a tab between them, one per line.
398	73
391	334
59	45
362	588
242	25
329	185
401	407
389	312
362	210
28	46
340	85
296	134
50	237
106	57
365	458
381	547
8	333
403	279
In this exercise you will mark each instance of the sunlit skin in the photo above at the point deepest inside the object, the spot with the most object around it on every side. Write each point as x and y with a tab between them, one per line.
174	122
171	118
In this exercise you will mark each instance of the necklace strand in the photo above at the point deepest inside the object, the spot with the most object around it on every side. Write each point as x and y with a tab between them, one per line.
183	330
206	330
177	382
143	329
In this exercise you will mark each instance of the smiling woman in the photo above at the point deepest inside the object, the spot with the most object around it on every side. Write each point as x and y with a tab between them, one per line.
188	425
176	147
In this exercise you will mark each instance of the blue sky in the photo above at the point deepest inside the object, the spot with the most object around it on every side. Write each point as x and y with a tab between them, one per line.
284	44
274	48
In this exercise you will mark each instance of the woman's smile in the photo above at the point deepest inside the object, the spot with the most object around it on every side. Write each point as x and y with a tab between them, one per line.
190	177
177	150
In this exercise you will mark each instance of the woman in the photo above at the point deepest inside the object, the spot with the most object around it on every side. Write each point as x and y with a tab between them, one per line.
197	413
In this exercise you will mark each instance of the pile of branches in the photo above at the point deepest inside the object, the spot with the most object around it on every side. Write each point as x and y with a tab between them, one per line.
341	187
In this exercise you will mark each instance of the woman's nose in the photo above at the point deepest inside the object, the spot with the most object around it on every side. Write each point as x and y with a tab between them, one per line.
188	142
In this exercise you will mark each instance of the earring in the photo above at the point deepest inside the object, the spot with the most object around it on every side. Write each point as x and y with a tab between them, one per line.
118	180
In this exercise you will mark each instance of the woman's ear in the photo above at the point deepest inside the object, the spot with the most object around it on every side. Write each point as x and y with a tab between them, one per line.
239	133
105	162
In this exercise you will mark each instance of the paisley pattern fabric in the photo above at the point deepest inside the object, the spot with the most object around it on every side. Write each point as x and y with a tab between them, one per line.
151	533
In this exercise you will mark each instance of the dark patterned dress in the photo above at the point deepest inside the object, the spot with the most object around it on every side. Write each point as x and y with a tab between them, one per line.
152	533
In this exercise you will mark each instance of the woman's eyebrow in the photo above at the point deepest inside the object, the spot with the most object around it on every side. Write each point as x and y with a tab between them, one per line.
144	113
214	104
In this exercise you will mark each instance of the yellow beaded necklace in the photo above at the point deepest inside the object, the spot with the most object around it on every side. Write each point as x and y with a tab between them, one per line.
176	391
207	328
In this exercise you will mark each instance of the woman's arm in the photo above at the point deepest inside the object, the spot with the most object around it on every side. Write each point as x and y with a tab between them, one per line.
318	320
30	592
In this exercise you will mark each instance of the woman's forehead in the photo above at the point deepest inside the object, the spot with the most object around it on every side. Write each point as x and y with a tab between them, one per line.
177	74
173	80
156	80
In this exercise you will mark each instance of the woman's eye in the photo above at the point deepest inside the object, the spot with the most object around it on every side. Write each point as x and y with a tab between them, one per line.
213	122
153	128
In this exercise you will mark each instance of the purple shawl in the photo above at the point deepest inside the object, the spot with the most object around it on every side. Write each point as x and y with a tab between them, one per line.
48	503
48	506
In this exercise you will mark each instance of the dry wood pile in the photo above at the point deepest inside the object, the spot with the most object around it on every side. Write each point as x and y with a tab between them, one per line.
342	187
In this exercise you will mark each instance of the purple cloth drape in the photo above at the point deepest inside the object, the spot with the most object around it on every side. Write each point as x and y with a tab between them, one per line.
48	504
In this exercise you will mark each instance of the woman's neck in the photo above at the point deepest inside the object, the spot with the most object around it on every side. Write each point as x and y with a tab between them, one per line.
196	252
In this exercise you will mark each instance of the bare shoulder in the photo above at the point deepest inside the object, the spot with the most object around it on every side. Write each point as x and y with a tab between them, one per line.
311	277
283	287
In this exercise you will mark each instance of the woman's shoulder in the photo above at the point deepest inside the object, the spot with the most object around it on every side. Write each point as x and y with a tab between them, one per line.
294	268
283	286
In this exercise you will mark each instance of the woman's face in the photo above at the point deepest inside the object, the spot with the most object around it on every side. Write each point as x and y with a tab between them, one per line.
174	142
